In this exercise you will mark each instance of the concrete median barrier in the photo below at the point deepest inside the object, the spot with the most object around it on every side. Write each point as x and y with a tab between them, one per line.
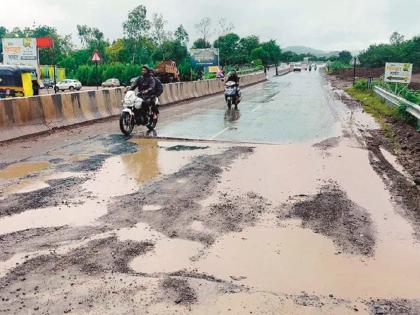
21	117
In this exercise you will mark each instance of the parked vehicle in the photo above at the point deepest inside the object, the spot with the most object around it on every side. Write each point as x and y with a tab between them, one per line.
68	84
297	67
232	94
111	83
18	81
167	72
48	83
136	111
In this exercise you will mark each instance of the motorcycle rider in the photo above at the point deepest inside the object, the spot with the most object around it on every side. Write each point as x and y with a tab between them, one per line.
145	85
233	76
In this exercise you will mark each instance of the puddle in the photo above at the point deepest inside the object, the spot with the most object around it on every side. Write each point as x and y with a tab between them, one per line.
169	254
152	208
20	170
155	157
31	185
291	259
79	215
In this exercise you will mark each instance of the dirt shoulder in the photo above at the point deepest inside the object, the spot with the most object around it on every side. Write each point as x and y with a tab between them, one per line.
403	141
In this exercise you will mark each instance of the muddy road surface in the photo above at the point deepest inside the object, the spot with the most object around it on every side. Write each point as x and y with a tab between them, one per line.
282	207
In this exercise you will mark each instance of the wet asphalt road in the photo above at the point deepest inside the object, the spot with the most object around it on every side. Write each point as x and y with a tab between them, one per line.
293	108
273	209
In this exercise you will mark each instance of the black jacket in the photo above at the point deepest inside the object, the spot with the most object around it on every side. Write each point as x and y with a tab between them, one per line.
144	85
234	78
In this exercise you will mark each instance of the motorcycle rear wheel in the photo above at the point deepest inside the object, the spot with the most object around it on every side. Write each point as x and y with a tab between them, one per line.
126	124
152	123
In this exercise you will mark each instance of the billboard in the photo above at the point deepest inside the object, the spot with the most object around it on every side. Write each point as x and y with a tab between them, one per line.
398	72
20	51
205	57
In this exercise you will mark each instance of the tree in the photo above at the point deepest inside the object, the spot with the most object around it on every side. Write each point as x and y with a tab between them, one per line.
3	32
203	27
396	38
228	48
200	44
225	27
261	54
136	28
274	52
118	51
172	50
158	33
345	56
181	35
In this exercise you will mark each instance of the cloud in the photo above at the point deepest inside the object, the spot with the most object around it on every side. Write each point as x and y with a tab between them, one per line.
324	24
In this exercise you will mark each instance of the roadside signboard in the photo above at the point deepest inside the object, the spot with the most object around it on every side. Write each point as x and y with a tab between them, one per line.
20	52
398	72
205	57
96	56
213	69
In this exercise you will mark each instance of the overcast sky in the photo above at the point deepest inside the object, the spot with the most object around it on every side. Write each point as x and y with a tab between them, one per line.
322	24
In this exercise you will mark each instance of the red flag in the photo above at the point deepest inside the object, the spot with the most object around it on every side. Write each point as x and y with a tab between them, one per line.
44	42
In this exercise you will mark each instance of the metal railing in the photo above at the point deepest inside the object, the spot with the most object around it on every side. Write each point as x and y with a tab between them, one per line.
412	109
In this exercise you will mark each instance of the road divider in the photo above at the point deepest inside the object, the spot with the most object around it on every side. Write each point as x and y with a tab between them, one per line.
26	116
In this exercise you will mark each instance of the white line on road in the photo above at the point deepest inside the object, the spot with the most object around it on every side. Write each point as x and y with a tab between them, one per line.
256	108
219	133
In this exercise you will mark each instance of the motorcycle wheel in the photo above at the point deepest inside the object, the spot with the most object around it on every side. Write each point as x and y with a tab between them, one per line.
152	123
126	124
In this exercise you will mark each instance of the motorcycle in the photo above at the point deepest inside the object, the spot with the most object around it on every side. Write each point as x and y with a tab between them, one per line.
232	94
136	111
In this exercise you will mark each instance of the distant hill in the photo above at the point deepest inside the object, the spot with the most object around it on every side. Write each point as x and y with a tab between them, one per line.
308	50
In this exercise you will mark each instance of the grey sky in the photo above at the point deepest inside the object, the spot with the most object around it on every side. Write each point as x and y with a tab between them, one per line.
322	24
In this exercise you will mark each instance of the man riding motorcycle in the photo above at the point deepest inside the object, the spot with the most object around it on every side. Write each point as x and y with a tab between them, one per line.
145	85
233	77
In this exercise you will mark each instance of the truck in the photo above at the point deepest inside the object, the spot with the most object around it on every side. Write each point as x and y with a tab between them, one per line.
167	71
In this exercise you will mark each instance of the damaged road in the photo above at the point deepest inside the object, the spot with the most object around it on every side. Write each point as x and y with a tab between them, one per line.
239	219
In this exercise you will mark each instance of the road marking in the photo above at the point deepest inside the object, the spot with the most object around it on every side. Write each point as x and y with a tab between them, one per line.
219	133
258	107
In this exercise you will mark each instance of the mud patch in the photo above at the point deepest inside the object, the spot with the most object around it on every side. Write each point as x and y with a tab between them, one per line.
405	192
328	144
178	291
180	203
394	307
332	214
233	213
60	192
73	278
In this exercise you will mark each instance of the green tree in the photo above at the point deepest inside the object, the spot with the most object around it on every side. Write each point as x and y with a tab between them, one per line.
274	52
200	44
345	56
3	32
135	29
158	32
181	35
118	51
171	50
228	48
248	44
92	38
261	54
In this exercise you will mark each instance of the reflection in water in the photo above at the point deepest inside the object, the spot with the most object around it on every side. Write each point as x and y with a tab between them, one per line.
20	170
232	115
143	165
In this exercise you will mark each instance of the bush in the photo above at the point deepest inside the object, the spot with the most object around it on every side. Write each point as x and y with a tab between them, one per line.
361	84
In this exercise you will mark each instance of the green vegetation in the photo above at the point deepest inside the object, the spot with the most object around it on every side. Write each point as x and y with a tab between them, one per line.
146	40
397	50
374	105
